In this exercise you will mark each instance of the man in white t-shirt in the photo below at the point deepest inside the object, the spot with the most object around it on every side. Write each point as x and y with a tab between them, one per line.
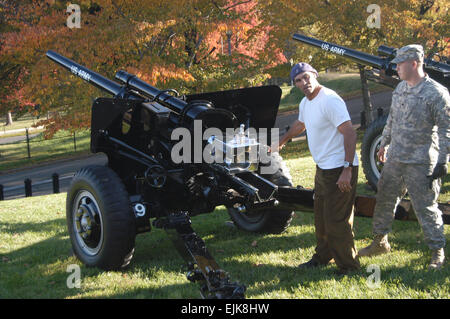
332	143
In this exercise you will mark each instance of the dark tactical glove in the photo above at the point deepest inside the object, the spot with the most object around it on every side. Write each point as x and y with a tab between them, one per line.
440	170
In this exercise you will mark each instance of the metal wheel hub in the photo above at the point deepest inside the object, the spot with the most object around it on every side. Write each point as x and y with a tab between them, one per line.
87	223
375	164
249	215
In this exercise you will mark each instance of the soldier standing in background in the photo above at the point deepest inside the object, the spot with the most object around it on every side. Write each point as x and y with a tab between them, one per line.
416	139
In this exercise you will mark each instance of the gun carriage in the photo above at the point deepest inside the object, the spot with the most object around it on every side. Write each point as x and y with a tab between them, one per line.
107	206
380	69
145	185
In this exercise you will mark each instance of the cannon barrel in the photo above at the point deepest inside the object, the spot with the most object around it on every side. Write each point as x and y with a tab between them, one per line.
89	76
133	82
386	51
194	110
437	70
135	88
359	57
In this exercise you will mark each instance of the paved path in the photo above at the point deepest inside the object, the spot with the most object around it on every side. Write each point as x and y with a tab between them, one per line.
20	130
13	182
16	139
41	176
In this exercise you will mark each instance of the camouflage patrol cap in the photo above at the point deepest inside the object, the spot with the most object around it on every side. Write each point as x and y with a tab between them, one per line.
409	52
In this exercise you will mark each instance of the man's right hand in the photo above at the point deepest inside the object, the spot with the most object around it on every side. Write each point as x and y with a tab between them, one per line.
280	147
296	129
382	154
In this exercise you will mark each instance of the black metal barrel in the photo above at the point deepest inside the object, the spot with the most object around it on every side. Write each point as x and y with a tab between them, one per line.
133	82
359	57
437	70
386	51
89	76
136	88
194	110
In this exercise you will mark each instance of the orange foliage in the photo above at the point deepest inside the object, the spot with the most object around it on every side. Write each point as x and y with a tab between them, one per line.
184	44
345	22
166	43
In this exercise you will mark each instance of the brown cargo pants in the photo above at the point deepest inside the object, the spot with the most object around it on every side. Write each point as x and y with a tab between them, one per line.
333	217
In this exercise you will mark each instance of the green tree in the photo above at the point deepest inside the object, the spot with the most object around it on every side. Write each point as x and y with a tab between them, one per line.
344	22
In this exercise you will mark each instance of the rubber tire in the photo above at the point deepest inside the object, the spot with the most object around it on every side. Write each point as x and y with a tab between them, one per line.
266	221
371	136
117	219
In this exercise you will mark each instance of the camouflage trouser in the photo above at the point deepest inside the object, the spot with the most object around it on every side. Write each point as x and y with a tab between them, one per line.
395	179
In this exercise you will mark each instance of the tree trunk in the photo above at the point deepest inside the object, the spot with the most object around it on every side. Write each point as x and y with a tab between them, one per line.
9	120
368	109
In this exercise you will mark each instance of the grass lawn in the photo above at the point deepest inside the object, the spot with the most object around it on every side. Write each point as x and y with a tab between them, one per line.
60	146
23	122
35	256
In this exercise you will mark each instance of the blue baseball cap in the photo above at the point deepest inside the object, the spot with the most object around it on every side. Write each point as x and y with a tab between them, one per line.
300	68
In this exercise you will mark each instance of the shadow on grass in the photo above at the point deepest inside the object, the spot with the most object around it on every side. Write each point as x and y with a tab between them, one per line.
39	270
18	228
294	150
402	275
29	272
229	245
445	184
395	281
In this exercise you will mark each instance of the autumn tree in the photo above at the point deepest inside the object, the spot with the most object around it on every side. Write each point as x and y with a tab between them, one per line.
191	45
170	44
9	71
345	22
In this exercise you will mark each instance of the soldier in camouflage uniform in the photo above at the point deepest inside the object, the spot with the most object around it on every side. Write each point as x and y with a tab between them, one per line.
416	137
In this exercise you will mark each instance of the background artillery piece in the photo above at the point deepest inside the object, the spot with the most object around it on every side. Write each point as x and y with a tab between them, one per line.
381	70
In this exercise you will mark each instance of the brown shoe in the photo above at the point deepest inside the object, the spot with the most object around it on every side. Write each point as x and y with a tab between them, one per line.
379	245
437	259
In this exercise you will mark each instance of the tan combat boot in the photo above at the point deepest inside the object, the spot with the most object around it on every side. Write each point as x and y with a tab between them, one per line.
437	259
379	245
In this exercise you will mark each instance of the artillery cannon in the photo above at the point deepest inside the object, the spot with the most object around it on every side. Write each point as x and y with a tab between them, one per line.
381	70
139	129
